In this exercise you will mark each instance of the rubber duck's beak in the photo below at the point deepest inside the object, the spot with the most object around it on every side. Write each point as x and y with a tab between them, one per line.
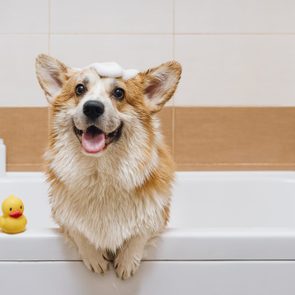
15	214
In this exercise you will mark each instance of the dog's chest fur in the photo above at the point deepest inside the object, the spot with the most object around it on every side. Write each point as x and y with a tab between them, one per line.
105	212
97	196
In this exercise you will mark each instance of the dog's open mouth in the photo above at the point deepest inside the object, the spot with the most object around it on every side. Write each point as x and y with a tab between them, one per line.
94	140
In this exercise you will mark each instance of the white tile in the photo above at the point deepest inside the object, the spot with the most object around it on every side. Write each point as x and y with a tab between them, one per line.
19	86
112	16
18	16
237	70
130	51
232	16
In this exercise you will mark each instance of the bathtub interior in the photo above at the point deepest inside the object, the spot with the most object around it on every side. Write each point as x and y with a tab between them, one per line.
234	200
201	200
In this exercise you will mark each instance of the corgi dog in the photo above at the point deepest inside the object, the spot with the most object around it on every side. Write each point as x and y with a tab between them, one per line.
109	170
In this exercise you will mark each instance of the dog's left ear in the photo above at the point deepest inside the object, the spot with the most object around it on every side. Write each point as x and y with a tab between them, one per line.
51	74
160	84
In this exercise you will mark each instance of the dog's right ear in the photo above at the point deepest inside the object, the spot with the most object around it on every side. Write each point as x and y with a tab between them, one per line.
51	75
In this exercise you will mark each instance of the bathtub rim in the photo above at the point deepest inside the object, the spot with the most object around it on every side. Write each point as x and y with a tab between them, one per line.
174	244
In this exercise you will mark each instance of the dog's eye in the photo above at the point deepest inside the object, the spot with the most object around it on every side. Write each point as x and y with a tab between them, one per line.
119	93
80	89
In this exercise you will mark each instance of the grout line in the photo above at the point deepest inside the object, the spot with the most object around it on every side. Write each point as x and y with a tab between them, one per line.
49	52
232	106
173	27
235	34
22	107
236	164
183	106
23	34
115	33
173	101
197	164
173	132
49	27
153	33
25	164
87	34
222	260
108	33
179	106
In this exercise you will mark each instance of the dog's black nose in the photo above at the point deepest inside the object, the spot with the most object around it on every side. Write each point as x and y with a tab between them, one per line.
93	109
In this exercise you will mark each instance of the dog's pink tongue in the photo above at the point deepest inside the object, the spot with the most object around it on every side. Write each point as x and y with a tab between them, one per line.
93	143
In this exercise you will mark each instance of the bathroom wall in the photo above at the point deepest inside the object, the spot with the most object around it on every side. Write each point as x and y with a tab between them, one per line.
235	106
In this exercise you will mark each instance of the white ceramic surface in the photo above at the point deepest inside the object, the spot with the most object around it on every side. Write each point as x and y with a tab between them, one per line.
230	233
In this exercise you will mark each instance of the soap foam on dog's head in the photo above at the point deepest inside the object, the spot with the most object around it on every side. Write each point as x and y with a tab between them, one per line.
113	70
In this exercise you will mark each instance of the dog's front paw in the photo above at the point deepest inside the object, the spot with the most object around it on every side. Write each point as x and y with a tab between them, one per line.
128	258
126	264
95	260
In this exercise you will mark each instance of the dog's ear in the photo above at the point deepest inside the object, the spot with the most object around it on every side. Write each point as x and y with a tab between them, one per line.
160	84
51	75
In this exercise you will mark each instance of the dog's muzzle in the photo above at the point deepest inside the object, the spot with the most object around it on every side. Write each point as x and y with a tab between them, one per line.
95	140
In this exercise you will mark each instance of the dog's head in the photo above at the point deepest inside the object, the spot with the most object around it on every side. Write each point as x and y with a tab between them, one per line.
99	111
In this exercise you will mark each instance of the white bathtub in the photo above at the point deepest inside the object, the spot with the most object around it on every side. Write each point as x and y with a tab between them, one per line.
231	233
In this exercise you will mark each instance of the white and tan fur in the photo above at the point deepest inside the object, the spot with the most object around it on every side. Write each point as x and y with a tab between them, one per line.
114	202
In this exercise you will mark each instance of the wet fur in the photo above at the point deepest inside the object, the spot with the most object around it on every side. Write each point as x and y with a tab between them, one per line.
116	202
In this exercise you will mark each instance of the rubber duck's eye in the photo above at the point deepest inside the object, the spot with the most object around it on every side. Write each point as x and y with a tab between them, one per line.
21	207
10	209
119	93
80	89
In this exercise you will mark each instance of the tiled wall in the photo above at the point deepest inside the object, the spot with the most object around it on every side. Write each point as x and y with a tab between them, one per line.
237	53
201	139
234	52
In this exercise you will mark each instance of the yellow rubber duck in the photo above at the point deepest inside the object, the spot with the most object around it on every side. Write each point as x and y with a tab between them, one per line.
13	221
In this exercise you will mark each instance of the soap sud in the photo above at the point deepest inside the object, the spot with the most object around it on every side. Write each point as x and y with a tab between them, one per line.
129	74
108	69
113	70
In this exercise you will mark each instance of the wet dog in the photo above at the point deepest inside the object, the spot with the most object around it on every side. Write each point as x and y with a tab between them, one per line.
109	170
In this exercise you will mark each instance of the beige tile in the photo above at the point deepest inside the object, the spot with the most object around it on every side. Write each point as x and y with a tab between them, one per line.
235	138
25	167
205	138
235	167
24	131
129	16
30	16
17	74
236	70
231	16
131	51
166	117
